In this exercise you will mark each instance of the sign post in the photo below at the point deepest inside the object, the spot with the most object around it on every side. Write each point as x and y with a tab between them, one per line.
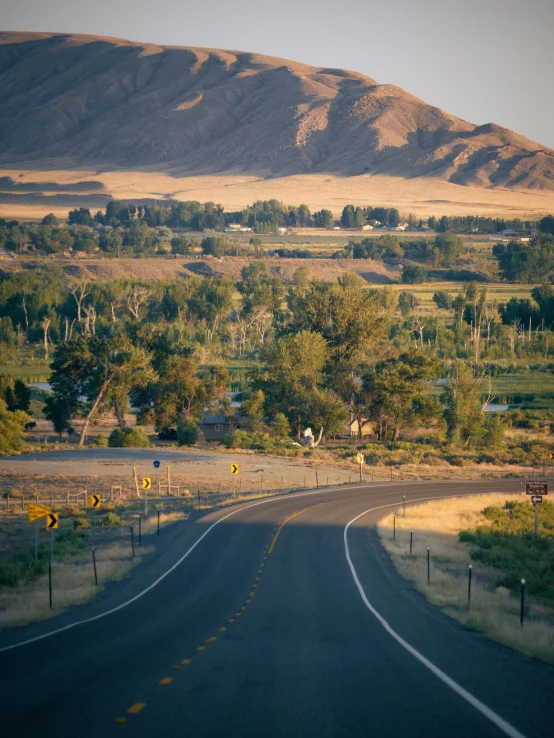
156	467
360	459
146	485
536	489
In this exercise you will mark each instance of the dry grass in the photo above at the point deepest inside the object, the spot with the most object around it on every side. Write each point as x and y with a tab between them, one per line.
72	584
494	610
422	196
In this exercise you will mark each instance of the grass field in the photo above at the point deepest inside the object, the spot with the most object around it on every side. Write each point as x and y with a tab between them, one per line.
494	610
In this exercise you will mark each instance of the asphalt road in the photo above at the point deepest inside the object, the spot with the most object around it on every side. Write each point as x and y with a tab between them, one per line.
262	631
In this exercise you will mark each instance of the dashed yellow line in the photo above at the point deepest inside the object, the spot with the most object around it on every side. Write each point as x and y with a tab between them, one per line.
137	707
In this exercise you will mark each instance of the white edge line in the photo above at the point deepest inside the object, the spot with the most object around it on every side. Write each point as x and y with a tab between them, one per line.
172	568
500	723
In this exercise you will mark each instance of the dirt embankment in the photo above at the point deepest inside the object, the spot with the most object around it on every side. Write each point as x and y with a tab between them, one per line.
165	268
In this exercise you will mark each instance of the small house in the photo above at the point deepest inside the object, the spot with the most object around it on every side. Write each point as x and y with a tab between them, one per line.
352	428
214	427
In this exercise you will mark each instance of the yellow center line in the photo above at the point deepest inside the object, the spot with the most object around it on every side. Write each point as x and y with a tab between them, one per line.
137	707
186	661
166	680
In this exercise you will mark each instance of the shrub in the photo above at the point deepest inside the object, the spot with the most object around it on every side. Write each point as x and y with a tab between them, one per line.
187	435
101	441
80	523
110	520
128	438
414	275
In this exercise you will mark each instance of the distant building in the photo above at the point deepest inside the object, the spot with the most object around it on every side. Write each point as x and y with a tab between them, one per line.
401	227
237	228
366	227
282	231
352	428
214	427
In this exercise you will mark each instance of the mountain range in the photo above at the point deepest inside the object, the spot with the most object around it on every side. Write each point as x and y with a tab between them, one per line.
74	101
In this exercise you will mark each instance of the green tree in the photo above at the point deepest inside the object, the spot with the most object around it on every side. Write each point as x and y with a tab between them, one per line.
92	367
347	217
12	429
253	408
397	392
323	219
463	413
280	425
448	248
526	262
414	274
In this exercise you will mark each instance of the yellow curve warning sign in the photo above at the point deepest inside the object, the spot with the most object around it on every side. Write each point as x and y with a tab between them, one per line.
36	512
52	521
147	483
234	468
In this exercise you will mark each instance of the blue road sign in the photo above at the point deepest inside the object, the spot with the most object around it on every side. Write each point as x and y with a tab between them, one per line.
156	464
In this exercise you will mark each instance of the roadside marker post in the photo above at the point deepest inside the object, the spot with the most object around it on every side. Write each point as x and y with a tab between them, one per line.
132	541
316	480
140	530
94	565
428	564
404	505
50	582
394	527
522	602
470	571
158	523
411	541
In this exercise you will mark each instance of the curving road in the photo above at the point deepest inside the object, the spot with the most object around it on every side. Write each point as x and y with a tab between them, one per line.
275	618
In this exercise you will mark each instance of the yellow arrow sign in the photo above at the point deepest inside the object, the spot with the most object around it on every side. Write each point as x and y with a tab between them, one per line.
360	458
36	512
147	483
552	456
95	500
234	468
52	520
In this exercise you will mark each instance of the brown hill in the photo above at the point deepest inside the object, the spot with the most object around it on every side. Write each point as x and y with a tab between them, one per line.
72	101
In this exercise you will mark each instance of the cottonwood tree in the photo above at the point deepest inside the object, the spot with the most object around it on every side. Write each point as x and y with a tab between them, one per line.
396	392
464	405
90	367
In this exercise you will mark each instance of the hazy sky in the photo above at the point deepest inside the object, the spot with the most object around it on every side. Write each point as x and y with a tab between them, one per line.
483	60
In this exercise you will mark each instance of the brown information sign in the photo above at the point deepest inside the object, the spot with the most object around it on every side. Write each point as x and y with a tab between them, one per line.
535	487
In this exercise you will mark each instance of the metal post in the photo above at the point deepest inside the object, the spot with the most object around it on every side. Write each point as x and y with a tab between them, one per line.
132	540
36	541
140	530
428	564
404	505
51	545
50	582
522	602
316	480
157	481
94	564
158	523
394	527
168	481
361	472
262	484
199	498
537	519
145	502
470	571
411	541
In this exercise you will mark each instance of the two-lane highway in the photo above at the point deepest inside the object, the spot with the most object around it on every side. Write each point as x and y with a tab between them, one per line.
280	619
